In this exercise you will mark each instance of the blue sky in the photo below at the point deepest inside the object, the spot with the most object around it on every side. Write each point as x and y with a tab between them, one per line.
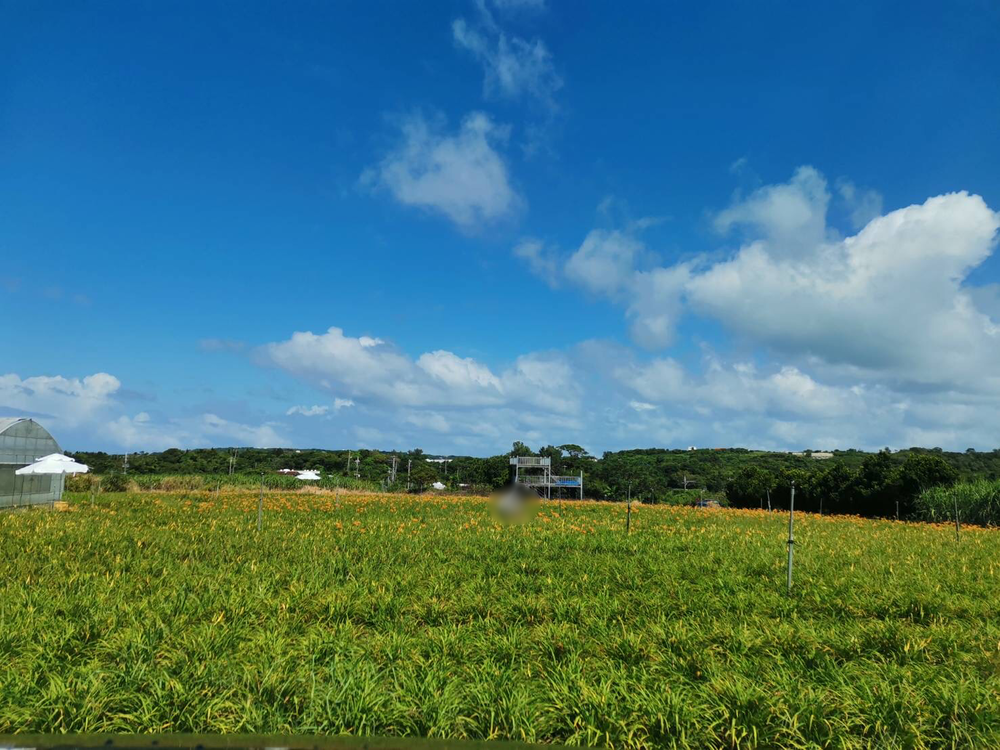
455	225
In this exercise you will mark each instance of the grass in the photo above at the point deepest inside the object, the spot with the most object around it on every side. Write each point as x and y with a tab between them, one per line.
373	614
978	502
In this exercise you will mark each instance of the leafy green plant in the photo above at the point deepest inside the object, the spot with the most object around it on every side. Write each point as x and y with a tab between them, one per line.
376	614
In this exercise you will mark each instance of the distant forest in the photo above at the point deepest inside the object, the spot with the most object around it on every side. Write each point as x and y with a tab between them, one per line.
872	484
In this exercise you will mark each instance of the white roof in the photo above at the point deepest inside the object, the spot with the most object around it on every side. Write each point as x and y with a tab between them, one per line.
54	463
6	422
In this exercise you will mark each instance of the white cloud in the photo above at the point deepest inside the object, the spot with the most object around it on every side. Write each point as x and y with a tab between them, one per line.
791	216
888	304
382	376
862	205
513	67
641	405
542	261
141	432
605	262
257	436
342	403
460	175
379	372
308	411
457	373
429	421
888	301
66	401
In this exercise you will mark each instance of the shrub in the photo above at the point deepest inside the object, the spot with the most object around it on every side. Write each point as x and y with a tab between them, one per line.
80	482
114	483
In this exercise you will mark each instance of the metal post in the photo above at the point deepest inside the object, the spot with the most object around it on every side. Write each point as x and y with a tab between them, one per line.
628	513
897	510
958	526
768	499
260	502
791	535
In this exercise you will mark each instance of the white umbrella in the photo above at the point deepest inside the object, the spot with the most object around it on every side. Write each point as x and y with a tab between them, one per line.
54	463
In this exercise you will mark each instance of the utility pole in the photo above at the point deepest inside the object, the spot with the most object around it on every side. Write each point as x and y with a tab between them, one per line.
125	465
357	468
409	465
348	462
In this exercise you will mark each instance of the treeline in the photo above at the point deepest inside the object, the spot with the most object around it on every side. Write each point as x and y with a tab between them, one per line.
880	486
850	482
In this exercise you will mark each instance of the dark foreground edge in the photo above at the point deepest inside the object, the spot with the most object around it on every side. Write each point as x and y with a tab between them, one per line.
240	742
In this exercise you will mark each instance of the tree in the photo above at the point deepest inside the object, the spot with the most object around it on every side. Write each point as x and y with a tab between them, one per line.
422	474
573	450
831	488
874	490
748	487
520	449
920	472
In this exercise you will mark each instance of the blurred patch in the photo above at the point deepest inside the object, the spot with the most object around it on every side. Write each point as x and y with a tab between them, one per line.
514	504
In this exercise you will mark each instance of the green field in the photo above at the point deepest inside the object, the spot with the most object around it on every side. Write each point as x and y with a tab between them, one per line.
388	615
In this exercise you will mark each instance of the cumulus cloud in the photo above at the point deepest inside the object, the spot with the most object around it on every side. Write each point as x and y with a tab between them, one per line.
460	175
862	205
605	262
791	216
383	375
67	401
609	263
141	432
889	303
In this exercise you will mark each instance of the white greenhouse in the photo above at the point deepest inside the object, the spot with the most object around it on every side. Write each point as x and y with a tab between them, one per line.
22	442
